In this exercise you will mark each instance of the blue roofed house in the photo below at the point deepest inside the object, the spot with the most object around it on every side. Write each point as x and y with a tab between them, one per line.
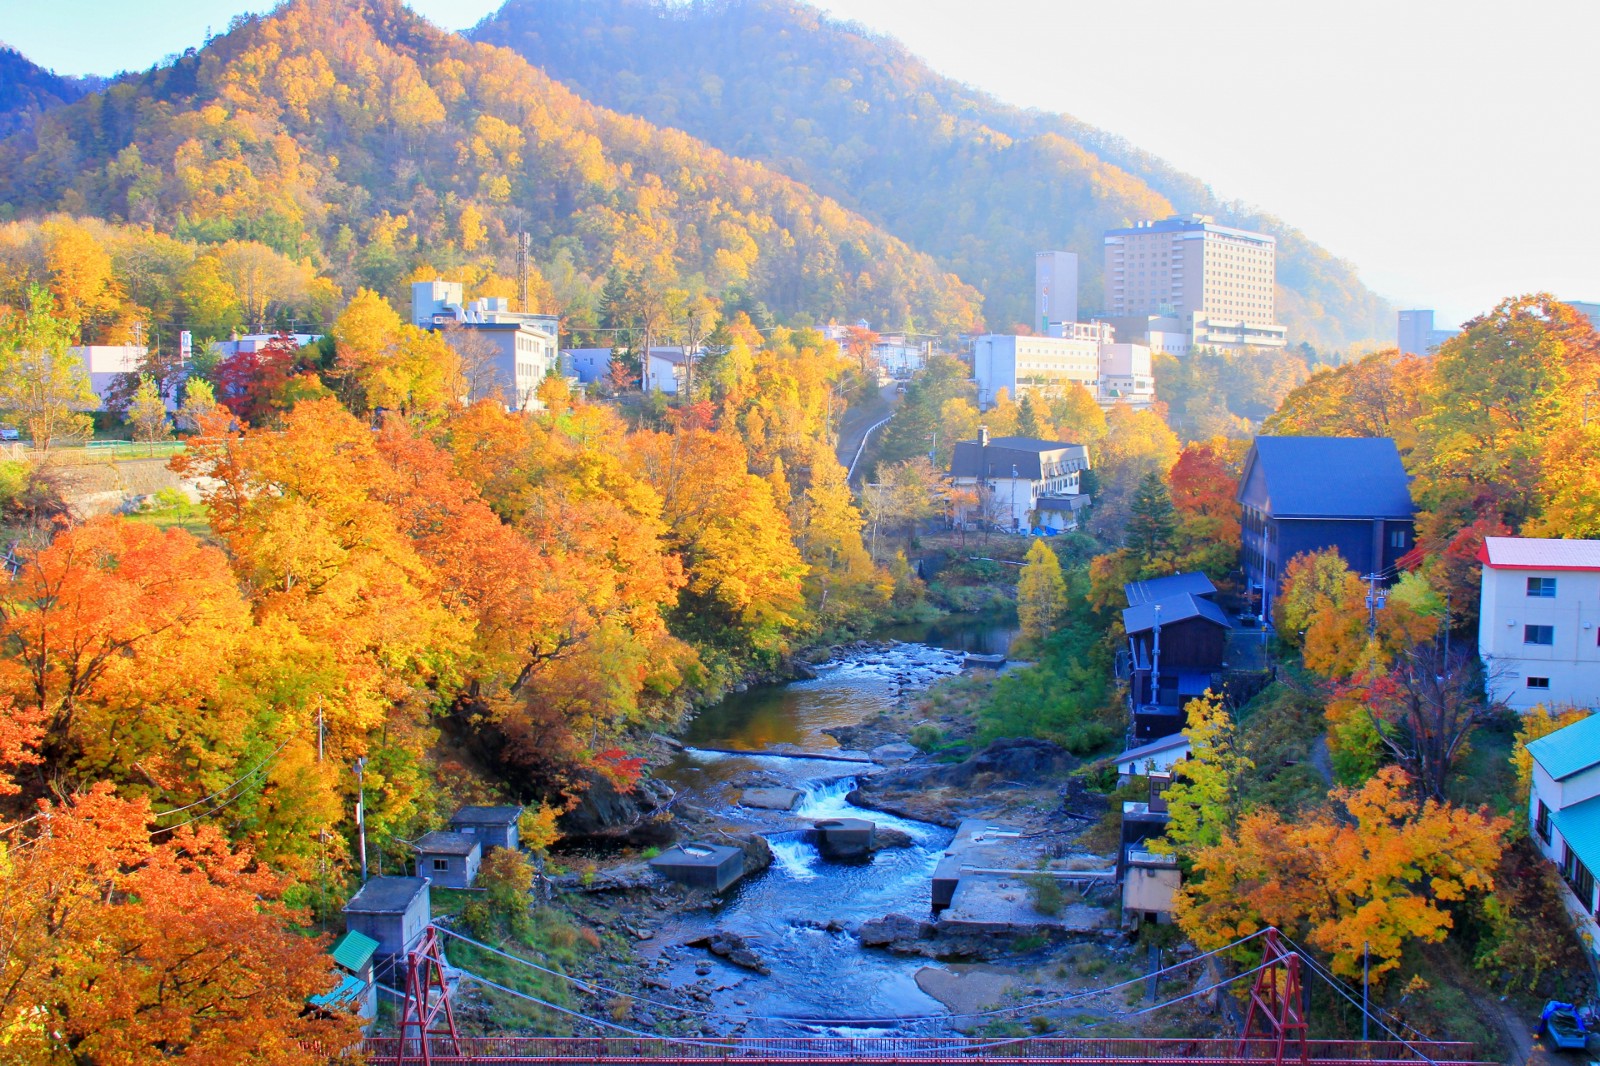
1177	643
1307	494
1564	808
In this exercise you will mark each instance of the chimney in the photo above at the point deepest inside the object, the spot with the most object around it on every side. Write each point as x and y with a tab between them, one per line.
983	436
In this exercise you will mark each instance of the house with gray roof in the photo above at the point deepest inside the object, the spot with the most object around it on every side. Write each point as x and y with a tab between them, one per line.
1176	647
1308	494
496	827
1021	483
1564	810
449	860
393	911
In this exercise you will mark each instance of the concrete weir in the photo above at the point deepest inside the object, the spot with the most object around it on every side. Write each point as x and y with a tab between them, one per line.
713	866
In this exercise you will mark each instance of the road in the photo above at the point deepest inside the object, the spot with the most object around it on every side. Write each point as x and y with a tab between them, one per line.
862	419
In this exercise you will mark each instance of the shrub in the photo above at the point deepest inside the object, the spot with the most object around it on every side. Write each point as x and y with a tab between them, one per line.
926	737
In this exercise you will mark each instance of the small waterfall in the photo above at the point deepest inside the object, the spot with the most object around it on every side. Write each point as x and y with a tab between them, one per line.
827	799
793	854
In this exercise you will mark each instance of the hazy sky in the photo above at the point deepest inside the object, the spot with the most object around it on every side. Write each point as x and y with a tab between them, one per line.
1449	148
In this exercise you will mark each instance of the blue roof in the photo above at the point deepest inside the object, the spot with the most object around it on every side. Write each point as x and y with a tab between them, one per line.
348	993
1570	750
1174	609
1580	828
1328	477
1160	588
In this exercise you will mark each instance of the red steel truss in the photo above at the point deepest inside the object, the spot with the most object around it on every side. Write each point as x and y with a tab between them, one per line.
423	1038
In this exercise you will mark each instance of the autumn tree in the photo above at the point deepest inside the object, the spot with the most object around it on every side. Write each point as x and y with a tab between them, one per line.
1204	484
858	344
1378	395
1204	794
1041	593
1424	708
199	401
1374	868
1137	443
121	948
147	415
44	387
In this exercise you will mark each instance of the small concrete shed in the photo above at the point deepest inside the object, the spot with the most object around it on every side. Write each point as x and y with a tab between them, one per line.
495	827
450	860
393	911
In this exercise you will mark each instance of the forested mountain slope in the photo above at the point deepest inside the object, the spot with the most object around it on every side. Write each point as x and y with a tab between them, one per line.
977	183
27	90
359	135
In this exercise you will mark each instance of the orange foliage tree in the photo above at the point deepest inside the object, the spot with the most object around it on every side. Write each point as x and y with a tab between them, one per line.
120	949
1374	867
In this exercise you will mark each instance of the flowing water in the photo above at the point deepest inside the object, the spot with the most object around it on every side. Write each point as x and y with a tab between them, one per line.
794	914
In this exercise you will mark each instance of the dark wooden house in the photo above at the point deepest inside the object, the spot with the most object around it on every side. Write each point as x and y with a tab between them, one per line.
1307	494
1176	646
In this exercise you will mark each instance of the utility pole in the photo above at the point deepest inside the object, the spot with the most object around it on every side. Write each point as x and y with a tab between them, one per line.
522	269
361	812
1372	603
1155	660
1366	961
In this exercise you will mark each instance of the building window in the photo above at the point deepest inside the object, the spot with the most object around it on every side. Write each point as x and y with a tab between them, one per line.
1541	822
1543	587
441	865
1397	539
1539	682
1545	635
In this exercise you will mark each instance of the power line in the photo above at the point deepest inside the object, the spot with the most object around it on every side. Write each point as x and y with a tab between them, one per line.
811	1020
246	776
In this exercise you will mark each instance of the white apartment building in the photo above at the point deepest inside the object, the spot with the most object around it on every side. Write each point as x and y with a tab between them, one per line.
1125	376
1055	289
1020	363
1539	621
105	363
1220	280
1020	483
525	344
1564	813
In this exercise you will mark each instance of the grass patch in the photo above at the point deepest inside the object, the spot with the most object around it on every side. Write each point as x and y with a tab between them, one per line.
193	518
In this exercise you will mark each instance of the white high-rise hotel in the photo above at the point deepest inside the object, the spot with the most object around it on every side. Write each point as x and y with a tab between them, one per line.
1218	281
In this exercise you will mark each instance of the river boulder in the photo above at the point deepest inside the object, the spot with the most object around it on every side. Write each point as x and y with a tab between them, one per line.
632	816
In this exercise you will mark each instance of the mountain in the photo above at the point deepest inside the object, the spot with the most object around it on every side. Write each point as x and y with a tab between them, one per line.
979	184
27	90
359	135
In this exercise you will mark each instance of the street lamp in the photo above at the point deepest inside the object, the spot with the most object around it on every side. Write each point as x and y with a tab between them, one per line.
361	812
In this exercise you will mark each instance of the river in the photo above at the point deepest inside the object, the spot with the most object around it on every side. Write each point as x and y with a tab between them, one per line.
821	978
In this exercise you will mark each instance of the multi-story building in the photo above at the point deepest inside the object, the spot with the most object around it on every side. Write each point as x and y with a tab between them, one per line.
1017	364
1539	621
1219	281
1564	814
104	364
525	346
1055	289
1309	494
1020	483
1417	335
1125	376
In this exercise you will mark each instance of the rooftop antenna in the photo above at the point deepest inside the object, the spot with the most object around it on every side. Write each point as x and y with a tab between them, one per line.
522	269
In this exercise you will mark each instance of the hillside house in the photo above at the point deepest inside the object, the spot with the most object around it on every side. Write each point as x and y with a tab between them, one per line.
1149	879
496	827
449	860
1177	643
523	344
1308	494
1539	621
1564	812
1021	483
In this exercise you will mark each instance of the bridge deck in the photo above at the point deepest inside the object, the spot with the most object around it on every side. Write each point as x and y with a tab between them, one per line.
494	1051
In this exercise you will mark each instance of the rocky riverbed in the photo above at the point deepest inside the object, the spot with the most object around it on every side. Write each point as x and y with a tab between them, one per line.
803	944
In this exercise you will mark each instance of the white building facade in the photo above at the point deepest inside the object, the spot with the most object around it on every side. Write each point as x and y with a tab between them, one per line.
1020	483
1016	364
1564	815
1539	621
526	348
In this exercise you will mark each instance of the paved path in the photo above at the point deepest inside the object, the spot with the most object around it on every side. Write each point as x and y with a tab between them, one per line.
859	421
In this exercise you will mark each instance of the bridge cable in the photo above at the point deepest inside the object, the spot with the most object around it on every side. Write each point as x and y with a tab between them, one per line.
1328	976
593	988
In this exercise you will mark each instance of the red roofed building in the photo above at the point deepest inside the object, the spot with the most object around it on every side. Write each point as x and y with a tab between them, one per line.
1539	621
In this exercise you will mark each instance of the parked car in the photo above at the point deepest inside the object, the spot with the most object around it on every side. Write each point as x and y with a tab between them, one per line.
9	433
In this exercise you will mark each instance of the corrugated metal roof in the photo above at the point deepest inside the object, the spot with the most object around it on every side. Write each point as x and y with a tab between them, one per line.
1570	750
442	843
1155	747
1580	828
1331	477
353	950
1173	609
486	815
1542	554
386	895
1159	588
347	994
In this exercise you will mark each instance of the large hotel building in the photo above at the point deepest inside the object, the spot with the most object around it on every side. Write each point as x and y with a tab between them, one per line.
1217	281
